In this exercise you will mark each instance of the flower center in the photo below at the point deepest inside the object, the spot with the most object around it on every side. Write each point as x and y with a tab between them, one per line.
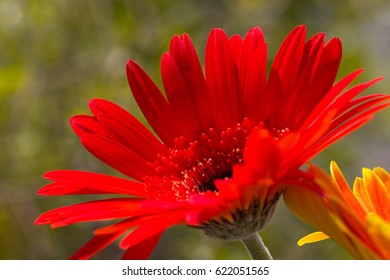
194	164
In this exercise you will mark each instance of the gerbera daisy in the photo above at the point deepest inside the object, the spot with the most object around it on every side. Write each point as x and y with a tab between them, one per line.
199	170
358	219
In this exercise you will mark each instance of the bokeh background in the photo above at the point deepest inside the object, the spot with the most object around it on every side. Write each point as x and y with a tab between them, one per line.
56	55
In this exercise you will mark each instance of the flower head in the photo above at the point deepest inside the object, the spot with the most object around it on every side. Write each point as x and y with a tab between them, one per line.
200	169
358	219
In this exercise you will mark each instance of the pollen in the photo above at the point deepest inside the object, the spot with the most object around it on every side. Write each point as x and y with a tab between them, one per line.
278	133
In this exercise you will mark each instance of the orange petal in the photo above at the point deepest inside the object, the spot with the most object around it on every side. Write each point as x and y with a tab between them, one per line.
380	231
346	191
378	193
361	194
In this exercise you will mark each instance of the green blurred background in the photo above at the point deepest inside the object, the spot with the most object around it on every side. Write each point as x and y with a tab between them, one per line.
56	55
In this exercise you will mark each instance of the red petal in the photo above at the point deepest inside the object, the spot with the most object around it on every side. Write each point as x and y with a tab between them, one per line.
252	72
127	123
178	96
285	68
254	87
124	225
117	156
351	120
114	208
330	97
310	136
221	76
83	124
152	228
347	96
326	72
127	135
183	52
202	208
322	81
235	43
142	250
253	39
152	103
82	182
262	154
360	107
322	139
95	245
339	133
298	108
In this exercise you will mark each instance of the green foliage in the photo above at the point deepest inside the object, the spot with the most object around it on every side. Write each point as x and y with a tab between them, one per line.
57	55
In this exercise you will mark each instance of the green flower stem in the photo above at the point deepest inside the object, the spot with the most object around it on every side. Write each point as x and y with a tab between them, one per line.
256	248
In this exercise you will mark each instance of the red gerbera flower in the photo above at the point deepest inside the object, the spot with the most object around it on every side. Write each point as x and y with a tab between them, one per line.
201	170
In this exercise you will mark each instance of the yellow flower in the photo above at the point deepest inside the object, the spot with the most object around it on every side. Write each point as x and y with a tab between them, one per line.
358	218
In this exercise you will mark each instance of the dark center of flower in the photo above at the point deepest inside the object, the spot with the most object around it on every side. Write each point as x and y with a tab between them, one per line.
210	186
